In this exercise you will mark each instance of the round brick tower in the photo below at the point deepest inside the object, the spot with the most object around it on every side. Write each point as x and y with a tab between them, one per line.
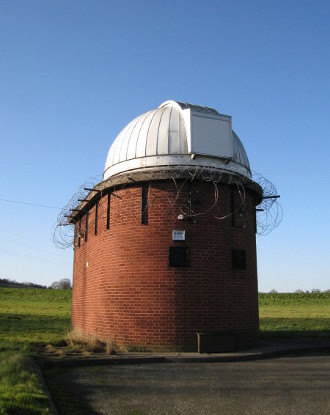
165	247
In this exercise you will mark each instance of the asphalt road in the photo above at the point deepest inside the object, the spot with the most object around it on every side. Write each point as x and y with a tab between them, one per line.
290	385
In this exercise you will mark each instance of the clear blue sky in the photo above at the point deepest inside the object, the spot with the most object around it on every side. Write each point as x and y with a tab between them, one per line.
74	73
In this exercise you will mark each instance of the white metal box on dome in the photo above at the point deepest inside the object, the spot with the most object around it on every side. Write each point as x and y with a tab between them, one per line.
209	133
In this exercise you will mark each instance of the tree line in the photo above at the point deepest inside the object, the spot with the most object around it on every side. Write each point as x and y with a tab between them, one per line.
63	284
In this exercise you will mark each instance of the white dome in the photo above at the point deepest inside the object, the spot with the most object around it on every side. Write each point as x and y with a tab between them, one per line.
177	135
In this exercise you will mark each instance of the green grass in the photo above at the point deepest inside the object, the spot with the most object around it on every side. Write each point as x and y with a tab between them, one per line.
21	390
29	319
295	315
33	318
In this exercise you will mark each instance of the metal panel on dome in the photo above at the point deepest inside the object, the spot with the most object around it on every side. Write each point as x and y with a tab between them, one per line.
131	146
162	137
173	134
210	134
138	138
150	144
152	140
124	144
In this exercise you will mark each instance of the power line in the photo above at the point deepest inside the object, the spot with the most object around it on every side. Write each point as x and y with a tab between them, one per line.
30	246
33	258
29	203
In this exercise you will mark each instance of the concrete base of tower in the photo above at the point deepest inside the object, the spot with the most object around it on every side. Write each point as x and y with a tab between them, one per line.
226	341
220	341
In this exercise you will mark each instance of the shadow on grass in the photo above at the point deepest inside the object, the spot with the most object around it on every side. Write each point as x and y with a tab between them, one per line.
23	328
295	327
38	406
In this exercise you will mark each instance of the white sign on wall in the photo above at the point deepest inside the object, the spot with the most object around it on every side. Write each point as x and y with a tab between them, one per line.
178	235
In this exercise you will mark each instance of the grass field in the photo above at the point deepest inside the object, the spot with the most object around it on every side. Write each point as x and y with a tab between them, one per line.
29	319
295	315
32	318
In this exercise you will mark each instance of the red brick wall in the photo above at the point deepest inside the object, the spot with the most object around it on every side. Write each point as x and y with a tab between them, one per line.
124	289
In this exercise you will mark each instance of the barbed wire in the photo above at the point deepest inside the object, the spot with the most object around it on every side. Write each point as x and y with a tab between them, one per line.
269	212
63	232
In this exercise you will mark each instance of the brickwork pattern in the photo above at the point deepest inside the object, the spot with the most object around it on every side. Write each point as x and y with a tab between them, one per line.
124	288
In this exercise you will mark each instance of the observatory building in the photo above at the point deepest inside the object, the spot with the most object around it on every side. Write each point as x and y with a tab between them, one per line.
165	244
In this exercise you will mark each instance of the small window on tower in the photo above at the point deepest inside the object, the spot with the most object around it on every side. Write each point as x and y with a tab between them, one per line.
239	259
144	203
178	256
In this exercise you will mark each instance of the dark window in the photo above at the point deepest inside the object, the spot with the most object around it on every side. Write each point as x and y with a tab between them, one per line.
144	203
96	211
239	259
108	211
79	232
178	256
86	227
